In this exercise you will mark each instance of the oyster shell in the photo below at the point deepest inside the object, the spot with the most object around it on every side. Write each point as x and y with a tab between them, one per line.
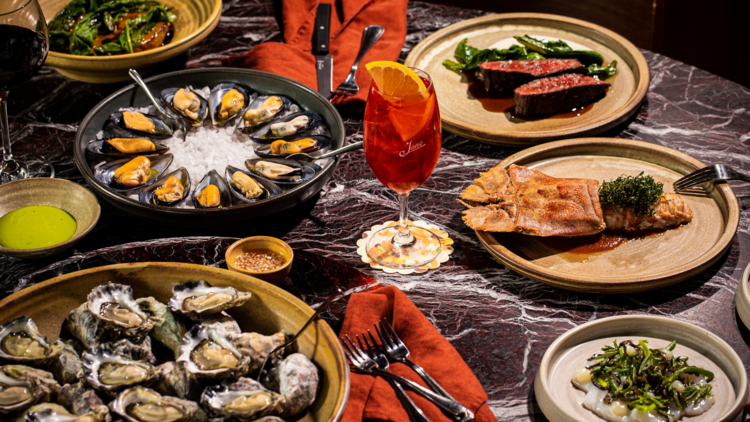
82	401
195	299
141	352
224	325
114	306
245	399
281	149
227	101
173	380
84	326
140	404
131	124
224	197
188	104
287	127
126	147
263	109
21	342
67	368
159	193
295	378
282	171
52	412
134	176
110	372
208	354
23	386
257	346
247	188
168	329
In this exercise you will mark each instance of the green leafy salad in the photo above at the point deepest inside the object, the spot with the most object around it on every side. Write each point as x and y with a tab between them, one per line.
108	27
649	380
470	58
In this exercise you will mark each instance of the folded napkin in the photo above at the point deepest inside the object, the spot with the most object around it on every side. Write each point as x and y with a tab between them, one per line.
295	58
372	398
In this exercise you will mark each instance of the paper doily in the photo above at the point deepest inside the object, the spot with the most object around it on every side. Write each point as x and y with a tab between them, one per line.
446	244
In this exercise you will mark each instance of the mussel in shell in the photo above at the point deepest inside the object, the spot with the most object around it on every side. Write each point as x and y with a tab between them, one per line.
169	190
192	107
226	101
114	306
139	404
262	110
246	187
125	124
282	171
21	342
196	299
212	192
287	127
208	354
126	147
277	171
281	148
135	172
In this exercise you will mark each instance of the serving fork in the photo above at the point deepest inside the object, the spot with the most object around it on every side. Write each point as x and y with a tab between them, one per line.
396	350
709	174
364	363
175	121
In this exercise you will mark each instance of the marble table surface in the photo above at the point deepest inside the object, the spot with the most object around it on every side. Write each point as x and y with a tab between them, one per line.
500	322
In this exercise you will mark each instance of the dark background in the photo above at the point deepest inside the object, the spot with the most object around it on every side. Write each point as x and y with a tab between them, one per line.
713	35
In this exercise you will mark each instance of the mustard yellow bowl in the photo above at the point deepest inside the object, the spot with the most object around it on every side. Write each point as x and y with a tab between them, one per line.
195	20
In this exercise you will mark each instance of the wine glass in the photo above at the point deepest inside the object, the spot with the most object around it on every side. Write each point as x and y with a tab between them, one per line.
23	49
402	141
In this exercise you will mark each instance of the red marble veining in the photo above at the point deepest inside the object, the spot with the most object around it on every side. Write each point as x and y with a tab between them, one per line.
500	322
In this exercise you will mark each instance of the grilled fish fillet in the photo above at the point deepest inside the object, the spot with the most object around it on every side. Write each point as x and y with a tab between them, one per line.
530	202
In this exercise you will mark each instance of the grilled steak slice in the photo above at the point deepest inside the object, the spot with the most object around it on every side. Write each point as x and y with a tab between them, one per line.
506	75
557	94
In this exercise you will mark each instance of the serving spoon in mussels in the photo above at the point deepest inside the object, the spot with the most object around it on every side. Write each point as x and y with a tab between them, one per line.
176	122
301	156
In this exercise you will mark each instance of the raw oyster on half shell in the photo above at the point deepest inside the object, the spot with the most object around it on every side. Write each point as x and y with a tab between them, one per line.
21	342
53	412
139	404
196	299
82	401
245	400
113	305
208	354
87	328
23	386
110	372
173	380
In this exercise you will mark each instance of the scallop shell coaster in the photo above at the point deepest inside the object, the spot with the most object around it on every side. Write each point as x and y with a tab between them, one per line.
446	246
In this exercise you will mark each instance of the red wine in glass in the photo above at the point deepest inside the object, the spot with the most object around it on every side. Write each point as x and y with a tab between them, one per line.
23	49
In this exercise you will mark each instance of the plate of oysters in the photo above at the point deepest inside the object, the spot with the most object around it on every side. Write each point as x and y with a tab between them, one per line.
153	342
219	151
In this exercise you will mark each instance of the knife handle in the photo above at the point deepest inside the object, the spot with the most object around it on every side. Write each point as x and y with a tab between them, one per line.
322	29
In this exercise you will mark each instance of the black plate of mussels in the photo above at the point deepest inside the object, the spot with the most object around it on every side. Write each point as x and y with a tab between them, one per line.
122	155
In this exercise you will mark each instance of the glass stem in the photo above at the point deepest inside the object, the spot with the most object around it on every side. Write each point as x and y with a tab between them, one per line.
404	236
4	127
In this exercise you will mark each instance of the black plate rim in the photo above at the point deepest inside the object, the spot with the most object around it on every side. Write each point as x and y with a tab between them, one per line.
139	207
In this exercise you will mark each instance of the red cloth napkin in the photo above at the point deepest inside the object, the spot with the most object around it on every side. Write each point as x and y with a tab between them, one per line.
372	398
295	58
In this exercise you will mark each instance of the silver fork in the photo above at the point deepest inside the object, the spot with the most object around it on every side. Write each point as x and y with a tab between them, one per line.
175	121
709	174
396	350
370	36
363	362
415	413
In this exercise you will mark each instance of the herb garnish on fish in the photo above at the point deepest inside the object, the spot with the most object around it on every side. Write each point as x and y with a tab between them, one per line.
638	193
648	380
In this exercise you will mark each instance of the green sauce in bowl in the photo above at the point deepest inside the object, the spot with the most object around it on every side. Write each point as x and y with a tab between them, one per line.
35	227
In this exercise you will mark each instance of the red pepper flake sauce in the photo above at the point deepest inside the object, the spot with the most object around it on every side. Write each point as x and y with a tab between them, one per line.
259	260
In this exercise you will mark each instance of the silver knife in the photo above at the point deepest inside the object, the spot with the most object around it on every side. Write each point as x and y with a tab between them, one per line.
323	60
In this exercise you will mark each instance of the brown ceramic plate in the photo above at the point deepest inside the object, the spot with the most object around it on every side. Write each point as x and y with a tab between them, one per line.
742	297
464	115
196	19
560	401
643	264
270	310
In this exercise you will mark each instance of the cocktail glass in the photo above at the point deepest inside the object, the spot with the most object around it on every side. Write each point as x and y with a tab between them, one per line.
402	142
